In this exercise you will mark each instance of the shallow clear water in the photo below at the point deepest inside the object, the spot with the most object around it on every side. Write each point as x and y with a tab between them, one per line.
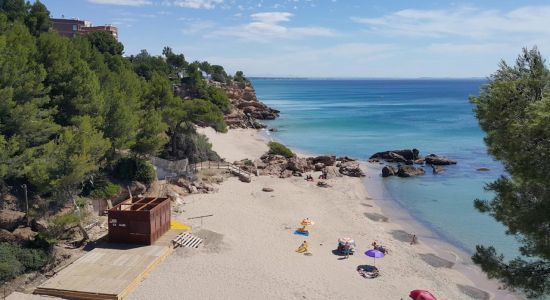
360	117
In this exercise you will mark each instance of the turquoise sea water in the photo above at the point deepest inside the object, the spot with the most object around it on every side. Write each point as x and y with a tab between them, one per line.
360	117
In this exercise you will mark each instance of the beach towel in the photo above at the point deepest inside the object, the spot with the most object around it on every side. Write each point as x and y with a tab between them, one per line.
304	233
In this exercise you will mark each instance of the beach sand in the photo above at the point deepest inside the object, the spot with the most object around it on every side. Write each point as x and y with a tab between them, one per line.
249	249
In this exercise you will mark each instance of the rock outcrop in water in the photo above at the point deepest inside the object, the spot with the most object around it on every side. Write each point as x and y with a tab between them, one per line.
433	159
409	157
247	109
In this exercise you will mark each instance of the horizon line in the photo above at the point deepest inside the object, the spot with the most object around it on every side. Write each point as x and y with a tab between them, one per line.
367	78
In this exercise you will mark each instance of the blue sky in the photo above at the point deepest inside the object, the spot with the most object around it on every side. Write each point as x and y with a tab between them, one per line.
327	38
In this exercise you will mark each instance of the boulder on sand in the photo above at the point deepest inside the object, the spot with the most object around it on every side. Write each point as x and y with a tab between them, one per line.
351	169
298	164
324	159
267	189
332	172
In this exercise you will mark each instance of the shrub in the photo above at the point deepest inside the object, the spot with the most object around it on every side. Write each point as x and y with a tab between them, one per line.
204	113
279	149
15	260
191	145
145	172
101	188
65	220
132	168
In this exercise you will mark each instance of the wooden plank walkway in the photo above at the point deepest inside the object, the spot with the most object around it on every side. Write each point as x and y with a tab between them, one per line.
187	240
108	272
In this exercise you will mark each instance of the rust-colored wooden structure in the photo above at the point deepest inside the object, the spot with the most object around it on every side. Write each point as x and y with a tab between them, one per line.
139	220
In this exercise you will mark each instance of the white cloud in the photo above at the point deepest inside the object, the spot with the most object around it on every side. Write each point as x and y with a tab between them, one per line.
207	4
122	2
464	22
271	17
267	26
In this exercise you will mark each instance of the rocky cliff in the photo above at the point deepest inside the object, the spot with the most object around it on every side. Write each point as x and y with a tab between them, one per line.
247	109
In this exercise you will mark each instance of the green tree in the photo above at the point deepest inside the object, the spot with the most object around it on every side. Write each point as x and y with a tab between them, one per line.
104	42
151	137
514	111
218	73
75	87
219	98
239	77
16	10
62	165
204	113
145	65
24	112
38	18
205	67
176	62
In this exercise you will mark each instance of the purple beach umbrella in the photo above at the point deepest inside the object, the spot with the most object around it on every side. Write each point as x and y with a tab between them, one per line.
374	254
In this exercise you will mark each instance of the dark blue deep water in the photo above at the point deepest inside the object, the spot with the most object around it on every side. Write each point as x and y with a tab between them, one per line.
360	117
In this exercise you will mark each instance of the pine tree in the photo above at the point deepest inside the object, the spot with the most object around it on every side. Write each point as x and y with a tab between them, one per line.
514	111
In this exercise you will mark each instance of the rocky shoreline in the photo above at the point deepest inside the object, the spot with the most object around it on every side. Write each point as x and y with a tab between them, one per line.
282	167
247	109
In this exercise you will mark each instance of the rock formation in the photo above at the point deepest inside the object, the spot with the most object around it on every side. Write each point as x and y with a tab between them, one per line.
437	169
389	171
410	171
409	157
352	169
433	159
403	156
246	107
11	219
283	167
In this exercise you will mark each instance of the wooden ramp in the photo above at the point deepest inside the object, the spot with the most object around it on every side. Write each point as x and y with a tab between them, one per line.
108	272
186	239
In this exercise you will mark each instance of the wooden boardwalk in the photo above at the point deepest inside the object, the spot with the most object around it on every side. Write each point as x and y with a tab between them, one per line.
108	272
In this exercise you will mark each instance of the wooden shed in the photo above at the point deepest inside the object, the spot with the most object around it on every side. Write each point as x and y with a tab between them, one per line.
139	220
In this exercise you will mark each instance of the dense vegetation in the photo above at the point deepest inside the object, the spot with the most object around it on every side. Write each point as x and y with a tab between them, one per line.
15	260
76	115
514	111
279	149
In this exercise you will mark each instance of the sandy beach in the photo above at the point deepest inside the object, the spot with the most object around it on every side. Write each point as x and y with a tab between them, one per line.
249	249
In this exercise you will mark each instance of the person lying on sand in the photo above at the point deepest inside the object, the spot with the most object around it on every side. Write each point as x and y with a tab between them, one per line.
380	248
370	272
303	247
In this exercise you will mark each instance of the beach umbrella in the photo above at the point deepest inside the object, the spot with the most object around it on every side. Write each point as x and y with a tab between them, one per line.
421	295
374	254
306	222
